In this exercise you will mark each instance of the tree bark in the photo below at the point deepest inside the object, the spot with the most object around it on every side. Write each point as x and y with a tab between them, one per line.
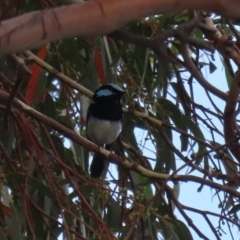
96	17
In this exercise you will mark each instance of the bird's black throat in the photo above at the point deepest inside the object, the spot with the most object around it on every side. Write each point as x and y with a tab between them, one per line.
107	108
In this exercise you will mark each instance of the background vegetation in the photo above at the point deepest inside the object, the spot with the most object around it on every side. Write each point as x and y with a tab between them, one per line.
168	135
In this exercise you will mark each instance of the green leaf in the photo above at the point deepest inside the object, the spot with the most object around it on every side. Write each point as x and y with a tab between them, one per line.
2	235
16	222
7	135
198	33
58	143
227	74
182	230
41	86
228	162
165	157
71	49
114	215
167	228
196	132
142	183
48	107
178	119
34	183
212	67
234	209
160	206
128	131
176	191
150	229
206	163
174	229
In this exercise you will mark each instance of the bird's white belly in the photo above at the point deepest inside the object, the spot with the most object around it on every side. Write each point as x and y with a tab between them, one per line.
102	131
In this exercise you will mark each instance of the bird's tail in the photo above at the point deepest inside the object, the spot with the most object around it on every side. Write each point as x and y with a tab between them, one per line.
97	166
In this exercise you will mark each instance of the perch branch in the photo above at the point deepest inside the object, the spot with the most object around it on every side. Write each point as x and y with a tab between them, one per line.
113	157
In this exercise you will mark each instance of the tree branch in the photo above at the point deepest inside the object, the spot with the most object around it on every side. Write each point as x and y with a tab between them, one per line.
92	18
113	157
231	130
198	75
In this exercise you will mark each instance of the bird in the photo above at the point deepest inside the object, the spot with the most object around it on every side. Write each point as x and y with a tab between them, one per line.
104	122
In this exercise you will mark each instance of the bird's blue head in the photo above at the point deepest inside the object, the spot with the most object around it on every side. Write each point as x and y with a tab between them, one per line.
108	91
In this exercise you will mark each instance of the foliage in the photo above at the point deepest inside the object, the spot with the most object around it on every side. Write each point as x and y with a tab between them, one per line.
161	62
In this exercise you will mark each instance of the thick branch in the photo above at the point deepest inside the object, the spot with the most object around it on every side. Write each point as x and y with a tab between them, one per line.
92	18
231	130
